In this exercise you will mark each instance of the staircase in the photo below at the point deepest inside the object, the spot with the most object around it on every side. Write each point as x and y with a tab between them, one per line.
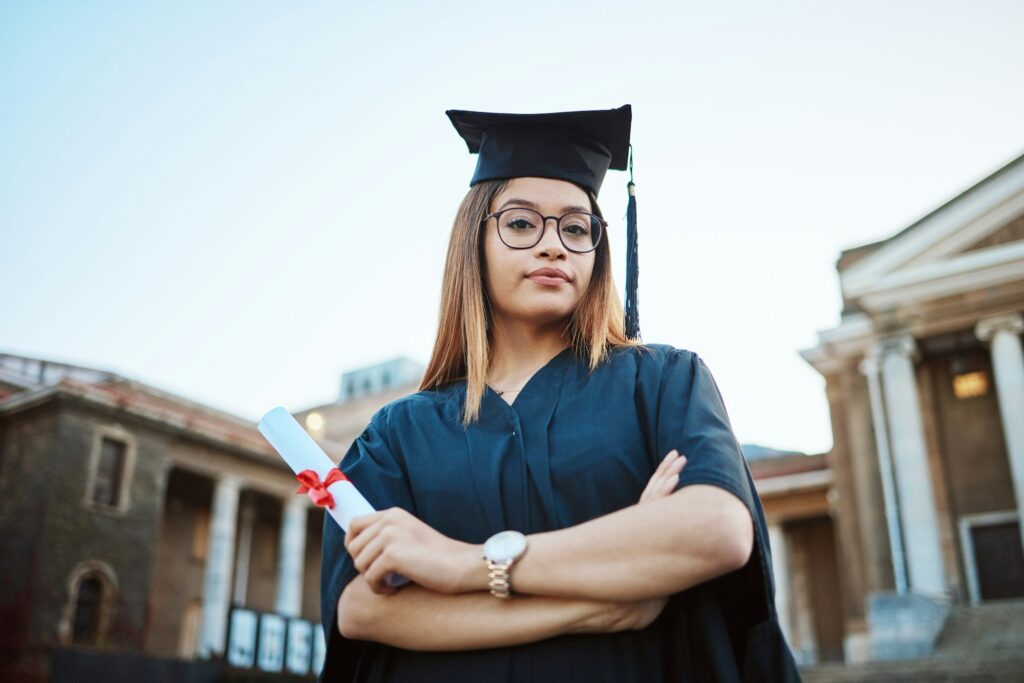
982	643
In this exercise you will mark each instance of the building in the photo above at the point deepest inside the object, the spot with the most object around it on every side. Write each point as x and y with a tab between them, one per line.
925	382
138	521
794	490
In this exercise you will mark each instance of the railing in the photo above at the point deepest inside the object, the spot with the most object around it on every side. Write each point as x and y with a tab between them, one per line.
272	642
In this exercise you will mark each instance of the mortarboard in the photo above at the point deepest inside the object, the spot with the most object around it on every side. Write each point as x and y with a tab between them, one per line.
578	146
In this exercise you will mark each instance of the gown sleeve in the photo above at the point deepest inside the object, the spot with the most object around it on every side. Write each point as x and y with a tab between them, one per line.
380	475
692	418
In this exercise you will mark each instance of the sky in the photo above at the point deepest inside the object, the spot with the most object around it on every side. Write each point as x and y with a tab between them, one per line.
236	202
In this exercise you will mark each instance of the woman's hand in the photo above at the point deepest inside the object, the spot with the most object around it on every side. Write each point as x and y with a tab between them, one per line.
394	541
665	478
639	615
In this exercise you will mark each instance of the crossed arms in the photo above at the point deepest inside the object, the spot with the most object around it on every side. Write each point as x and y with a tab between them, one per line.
610	574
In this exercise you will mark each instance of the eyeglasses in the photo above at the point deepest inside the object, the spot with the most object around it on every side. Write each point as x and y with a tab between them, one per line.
523	228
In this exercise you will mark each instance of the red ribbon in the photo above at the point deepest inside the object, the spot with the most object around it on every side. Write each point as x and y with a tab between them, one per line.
316	489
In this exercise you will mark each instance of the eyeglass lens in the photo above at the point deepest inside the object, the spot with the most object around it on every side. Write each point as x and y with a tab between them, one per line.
521	228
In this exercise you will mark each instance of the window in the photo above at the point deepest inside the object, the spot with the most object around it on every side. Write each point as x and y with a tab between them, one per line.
86	626
91	602
110	466
109	475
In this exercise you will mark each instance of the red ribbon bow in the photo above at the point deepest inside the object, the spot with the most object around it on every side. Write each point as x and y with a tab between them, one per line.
316	489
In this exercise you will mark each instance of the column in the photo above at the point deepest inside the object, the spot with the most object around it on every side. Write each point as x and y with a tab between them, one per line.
915	497
780	567
803	641
291	558
217	576
1008	367
870	368
246	520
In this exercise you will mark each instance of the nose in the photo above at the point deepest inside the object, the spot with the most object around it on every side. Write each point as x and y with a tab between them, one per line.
550	246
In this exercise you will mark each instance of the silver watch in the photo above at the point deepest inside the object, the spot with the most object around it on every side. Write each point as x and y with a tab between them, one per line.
500	552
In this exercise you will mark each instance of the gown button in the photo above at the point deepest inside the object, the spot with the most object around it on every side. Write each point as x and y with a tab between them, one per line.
513	432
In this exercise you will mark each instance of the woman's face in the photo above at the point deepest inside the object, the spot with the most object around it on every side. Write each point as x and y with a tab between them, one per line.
544	283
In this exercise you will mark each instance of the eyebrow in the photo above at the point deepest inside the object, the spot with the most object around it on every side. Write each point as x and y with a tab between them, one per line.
527	203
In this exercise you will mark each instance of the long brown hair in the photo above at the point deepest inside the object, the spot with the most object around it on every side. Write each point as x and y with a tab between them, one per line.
462	347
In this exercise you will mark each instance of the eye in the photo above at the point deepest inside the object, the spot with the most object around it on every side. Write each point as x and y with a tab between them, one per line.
576	229
520	220
519	224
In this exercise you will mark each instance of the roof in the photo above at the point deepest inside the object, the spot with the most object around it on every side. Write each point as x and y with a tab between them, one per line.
848	257
26	382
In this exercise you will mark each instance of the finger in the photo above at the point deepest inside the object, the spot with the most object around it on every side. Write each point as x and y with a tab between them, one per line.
677	466
670	484
663	468
356	525
363	559
652	487
376	573
666	462
653	490
355	545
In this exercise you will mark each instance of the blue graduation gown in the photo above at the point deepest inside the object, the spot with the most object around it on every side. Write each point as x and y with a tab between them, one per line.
573	446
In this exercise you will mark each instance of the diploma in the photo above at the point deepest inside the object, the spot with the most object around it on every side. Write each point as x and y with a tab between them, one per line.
325	484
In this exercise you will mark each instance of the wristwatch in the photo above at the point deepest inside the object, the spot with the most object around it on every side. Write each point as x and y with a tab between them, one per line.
500	552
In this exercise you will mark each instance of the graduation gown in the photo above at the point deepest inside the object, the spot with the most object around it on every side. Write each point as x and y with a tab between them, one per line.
573	446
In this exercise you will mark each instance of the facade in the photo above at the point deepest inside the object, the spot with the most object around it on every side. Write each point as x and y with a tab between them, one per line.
925	382
138	521
794	490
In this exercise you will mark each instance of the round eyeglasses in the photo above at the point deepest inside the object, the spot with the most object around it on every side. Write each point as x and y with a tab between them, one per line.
523	228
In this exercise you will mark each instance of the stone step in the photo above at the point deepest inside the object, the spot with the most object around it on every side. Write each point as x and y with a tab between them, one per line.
991	627
979	643
992	669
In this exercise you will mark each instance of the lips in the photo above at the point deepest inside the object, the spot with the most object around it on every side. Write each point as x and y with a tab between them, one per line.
549	276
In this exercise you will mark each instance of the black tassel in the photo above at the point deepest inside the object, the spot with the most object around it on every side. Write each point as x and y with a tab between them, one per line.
632	257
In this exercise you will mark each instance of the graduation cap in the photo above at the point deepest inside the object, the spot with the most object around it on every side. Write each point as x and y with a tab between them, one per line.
578	146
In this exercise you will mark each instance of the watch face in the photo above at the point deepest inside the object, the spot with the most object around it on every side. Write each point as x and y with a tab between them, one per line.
508	545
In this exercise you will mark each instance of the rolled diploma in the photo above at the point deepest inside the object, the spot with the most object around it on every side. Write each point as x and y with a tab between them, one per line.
301	452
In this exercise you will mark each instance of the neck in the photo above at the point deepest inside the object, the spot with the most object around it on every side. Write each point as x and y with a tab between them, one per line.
519	350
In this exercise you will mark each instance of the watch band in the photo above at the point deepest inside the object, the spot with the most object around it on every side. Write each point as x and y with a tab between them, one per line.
500	583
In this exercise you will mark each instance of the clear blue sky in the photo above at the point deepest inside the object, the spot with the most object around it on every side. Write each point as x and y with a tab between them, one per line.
238	201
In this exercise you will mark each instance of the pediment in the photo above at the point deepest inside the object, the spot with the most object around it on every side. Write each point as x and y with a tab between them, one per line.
1011	232
977	235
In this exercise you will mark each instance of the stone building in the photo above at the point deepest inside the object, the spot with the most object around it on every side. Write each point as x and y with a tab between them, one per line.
925	382
134	520
794	490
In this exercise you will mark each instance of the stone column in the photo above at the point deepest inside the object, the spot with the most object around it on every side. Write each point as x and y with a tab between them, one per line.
291	557
802	639
915	497
1008	367
246	520
870	368
780	567
219	559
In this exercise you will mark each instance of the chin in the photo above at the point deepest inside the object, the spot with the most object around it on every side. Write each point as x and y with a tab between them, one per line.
546	311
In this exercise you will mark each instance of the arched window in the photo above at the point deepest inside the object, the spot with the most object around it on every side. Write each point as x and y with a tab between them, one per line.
85	629
89	611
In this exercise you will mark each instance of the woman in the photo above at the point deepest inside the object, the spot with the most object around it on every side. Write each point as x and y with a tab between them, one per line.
533	490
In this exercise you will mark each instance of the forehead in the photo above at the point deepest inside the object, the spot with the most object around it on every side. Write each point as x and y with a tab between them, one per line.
548	193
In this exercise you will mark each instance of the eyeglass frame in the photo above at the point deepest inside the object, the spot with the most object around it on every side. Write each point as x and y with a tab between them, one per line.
544	226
